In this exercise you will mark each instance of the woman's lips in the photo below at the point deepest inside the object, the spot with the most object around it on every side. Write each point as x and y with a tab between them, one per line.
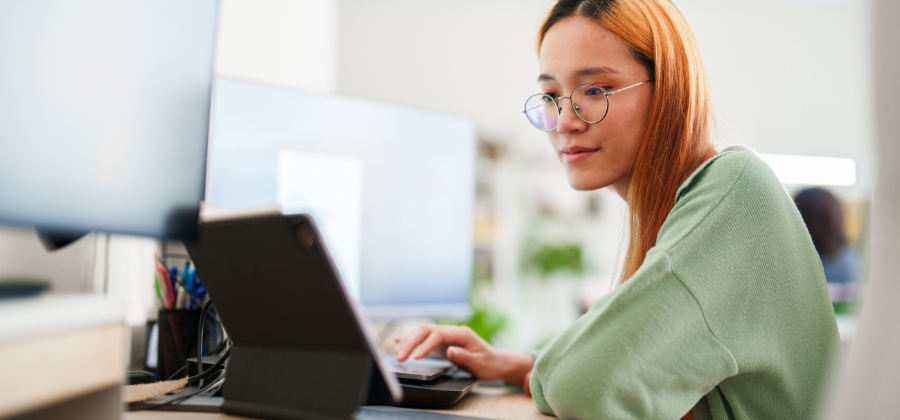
576	153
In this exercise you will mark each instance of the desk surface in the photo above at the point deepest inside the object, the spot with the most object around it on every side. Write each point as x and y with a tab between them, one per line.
484	402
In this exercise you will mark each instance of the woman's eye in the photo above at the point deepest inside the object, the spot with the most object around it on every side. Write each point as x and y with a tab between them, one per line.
593	91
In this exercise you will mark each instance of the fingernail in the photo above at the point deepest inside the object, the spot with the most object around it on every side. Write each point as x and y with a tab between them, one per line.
451	352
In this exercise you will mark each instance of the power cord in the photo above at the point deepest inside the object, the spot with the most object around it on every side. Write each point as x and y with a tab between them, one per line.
203	313
206	310
212	370
217	381
215	375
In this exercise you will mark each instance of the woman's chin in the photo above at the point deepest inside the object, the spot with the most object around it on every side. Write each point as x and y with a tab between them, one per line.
580	182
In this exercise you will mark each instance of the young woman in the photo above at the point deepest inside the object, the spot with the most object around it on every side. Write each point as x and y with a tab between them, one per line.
722	311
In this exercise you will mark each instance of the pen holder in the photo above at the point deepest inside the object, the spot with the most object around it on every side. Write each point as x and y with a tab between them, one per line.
178	339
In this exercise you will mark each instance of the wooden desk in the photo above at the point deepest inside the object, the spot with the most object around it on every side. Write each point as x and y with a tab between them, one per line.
484	402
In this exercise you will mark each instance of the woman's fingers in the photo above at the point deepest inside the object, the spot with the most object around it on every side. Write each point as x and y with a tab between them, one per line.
427	337
411	341
460	356
436	338
462	336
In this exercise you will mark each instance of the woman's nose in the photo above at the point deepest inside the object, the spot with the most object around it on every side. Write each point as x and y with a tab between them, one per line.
569	122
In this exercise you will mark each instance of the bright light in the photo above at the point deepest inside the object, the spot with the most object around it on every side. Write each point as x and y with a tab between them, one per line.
812	170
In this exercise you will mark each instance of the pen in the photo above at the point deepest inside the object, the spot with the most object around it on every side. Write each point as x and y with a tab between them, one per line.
184	275
173	276
192	279
200	291
188	284
167	284
181	299
156	287
165	287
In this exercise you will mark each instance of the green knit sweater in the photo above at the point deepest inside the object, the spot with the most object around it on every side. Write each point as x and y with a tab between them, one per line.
729	313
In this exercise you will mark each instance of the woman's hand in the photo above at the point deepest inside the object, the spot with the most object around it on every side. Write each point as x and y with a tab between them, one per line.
526	387
466	349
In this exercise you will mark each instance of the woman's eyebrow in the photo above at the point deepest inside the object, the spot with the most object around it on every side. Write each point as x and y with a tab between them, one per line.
591	71
595	71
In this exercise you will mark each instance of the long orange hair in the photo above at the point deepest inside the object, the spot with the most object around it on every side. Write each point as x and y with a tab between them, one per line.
676	140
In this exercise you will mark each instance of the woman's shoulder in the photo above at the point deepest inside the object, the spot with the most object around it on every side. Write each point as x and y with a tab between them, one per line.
734	183
734	167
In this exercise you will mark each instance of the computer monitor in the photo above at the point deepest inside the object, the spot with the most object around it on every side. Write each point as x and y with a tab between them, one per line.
104	114
392	187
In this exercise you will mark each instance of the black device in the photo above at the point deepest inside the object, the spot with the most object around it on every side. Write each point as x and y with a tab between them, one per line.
301	347
300	350
138	377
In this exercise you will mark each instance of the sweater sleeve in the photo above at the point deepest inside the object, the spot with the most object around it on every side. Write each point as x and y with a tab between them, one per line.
643	351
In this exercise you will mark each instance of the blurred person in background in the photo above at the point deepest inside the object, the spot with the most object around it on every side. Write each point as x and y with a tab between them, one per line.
721	311
824	218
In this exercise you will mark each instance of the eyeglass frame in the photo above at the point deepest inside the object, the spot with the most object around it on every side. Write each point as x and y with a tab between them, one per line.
559	107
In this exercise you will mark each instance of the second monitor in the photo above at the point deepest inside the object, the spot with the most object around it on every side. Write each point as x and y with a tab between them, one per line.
391	187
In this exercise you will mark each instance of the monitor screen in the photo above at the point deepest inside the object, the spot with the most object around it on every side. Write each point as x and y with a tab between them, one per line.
391	187
104	114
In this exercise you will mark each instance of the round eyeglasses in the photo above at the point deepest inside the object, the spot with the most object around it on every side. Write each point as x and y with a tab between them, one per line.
589	101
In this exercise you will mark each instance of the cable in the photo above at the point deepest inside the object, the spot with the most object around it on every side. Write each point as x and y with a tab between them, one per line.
219	347
211	370
181	397
214	386
177	372
215	351
200	338
187	394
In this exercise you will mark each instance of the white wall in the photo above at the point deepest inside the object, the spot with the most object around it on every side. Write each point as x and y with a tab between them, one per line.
469	57
72	269
791	77
291	43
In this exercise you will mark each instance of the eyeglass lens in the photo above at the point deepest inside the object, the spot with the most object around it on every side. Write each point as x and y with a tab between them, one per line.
588	100
542	112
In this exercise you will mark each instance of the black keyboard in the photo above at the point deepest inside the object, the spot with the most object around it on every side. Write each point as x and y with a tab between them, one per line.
397	413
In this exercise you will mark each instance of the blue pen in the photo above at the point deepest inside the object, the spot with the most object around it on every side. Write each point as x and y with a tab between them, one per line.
173	276
200	291
184	276
192	280
186	282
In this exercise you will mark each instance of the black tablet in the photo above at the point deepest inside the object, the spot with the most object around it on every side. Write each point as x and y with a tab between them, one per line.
301	347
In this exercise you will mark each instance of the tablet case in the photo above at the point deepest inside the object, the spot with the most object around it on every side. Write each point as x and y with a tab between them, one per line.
300	348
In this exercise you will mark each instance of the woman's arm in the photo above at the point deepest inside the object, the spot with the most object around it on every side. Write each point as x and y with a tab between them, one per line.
642	352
